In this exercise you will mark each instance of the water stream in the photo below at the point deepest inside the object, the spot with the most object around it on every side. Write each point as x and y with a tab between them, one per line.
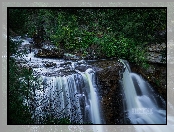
142	103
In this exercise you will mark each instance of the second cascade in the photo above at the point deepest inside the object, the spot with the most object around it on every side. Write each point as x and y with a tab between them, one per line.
142	104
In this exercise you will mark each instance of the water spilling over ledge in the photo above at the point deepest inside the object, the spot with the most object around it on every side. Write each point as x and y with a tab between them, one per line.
70	90
141	103
73	96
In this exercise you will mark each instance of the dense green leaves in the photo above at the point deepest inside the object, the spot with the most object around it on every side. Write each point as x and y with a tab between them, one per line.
18	90
17	19
100	32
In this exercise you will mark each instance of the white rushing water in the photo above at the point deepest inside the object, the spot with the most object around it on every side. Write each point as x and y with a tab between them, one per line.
65	92
142	104
60	98
138	97
96	118
71	96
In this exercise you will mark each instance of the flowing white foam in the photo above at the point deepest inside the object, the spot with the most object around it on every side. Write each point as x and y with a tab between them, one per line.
141	103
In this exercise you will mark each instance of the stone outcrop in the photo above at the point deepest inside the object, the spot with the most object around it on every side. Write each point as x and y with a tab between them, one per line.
107	73
68	56
156	75
156	53
49	53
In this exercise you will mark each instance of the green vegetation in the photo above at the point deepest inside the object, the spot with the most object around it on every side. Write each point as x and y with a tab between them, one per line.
103	33
18	91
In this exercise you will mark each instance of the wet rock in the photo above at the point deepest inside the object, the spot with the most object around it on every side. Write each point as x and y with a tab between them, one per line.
81	62
156	53
82	67
49	64
68	56
61	72
66	72
107	73
151	69
155	57
66	63
35	65
155	75
49	53
48	46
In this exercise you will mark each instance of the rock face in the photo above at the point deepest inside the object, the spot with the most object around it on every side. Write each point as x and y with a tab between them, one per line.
49	53
68	56
156	75
48	50
109	89
156	53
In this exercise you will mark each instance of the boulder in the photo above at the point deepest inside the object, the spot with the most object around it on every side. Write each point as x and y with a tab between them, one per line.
49	53
107	73
49	64
156	53
82	67
68	56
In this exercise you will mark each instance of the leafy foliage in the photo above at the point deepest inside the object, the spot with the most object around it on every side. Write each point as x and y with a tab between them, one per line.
104	32
18	91
17	19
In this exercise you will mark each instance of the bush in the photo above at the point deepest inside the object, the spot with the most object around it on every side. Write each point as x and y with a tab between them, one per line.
21	85
121	33
18	113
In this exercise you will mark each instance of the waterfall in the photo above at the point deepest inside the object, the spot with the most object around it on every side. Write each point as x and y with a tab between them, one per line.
64	92
93	97
58	99
73	96
142	104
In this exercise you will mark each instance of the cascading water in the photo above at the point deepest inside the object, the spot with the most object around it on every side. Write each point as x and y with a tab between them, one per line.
75	95
142	104
72	96
65	92
95	113
60	98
